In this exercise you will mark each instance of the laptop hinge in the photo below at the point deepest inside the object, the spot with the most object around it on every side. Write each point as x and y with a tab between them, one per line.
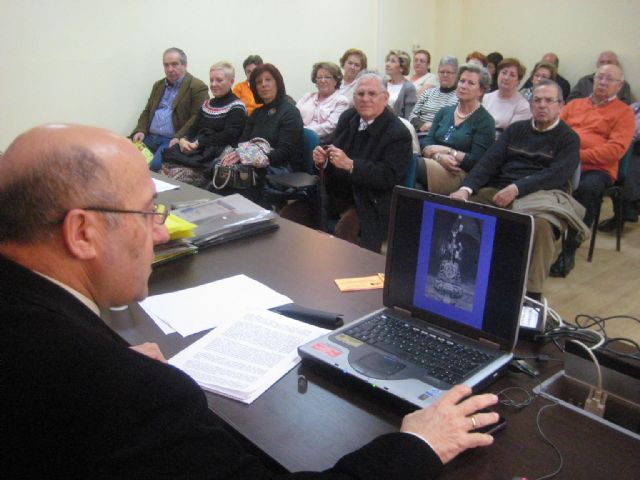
489	343
402	311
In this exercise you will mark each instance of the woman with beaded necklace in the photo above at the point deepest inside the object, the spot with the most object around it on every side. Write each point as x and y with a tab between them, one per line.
459	135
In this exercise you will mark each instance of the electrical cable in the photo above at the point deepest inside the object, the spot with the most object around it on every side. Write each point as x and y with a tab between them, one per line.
510	402
549	442
593	358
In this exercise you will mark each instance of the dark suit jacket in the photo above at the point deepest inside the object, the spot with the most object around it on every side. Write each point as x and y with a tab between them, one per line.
380	166
186	105
76	402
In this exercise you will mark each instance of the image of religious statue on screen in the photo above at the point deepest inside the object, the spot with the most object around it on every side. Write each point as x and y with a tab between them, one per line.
453	259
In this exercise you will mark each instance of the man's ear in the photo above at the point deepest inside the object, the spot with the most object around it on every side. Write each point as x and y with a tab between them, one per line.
80	232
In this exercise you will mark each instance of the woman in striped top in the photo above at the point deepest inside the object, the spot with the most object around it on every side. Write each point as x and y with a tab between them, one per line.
435	98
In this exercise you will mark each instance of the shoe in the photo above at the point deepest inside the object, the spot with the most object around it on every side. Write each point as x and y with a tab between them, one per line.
563	265
608	225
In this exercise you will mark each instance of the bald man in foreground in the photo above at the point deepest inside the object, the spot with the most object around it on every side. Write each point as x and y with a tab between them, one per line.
78	222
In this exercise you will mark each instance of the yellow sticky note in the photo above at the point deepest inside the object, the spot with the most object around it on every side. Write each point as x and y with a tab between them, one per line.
146	153
179	228
360	283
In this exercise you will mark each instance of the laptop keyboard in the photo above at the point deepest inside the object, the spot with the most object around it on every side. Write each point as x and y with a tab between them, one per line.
441	357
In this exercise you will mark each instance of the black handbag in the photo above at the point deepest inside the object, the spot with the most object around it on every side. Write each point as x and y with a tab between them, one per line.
236	176
200	158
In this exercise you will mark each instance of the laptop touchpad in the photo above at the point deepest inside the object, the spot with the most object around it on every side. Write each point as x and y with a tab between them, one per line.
377	365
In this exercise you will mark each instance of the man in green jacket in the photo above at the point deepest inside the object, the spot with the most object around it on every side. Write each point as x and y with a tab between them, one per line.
174	100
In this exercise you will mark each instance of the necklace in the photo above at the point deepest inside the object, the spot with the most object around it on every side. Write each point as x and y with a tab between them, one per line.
463	116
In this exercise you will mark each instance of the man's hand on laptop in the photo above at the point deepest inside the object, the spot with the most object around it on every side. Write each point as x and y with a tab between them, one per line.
449	424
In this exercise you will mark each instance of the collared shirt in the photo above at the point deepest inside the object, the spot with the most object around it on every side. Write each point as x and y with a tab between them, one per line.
550	127
162	123
86	301
322	116
364	124
603	102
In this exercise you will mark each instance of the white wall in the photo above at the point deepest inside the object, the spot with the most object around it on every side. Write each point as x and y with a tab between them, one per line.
94	62
577	30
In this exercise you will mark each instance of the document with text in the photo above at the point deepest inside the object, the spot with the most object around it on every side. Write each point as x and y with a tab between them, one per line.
244	357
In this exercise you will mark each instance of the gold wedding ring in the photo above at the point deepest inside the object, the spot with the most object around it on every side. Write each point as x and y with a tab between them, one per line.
474	424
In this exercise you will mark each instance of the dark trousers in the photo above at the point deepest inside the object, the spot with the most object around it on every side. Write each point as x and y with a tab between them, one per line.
592	185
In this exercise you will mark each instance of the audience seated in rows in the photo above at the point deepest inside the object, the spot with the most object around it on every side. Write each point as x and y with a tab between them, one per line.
506	104
321	110
605	126
369	155
219	123
434	99
277	121
553	59
353	61
541	71
422	77
459	136
528	170
584	87
493	59
242	90
174	101
402	93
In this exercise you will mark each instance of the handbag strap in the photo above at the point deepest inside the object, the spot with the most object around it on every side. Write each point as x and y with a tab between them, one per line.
213	182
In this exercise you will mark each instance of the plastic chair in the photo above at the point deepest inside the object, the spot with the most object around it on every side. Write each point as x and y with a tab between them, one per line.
615	193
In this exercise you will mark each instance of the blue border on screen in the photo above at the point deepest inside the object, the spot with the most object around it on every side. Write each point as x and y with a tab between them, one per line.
473	318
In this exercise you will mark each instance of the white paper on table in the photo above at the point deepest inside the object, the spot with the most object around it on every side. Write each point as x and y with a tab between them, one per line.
164	186
243	358
206	306
165	327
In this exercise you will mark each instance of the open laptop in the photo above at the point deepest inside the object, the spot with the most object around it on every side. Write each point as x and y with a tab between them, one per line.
454	285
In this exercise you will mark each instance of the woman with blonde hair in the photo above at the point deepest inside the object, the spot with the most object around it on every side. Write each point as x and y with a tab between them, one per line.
402	93
353	63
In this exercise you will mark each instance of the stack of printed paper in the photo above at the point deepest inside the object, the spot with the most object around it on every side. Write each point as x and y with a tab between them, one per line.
243	358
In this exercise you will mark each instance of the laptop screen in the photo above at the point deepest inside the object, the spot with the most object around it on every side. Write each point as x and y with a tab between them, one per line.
459	265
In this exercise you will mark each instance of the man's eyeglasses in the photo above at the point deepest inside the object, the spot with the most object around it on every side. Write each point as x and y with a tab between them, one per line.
541	101
160	212
603	79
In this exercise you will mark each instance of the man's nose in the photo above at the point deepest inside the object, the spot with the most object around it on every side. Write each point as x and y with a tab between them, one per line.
160	234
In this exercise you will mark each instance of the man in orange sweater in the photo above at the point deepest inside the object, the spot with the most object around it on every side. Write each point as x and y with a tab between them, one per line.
242	89
605	126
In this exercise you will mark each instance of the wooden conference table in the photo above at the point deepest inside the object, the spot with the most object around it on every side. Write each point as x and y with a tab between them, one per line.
312	430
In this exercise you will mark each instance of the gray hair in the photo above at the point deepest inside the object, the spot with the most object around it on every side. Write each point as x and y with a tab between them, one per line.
548	83
612	64
483	74
372	74
181	54
449	60
35	201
